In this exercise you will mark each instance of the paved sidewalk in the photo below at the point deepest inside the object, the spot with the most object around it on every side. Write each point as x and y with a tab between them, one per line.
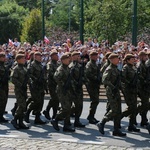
36	144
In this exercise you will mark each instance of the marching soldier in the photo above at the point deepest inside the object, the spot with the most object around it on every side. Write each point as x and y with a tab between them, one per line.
111	80
143	89
129	87
77	91
93	79
62	77
38	77
19	79
54	101
4	77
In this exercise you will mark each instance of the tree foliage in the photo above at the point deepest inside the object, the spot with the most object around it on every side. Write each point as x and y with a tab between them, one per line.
11	17
32	27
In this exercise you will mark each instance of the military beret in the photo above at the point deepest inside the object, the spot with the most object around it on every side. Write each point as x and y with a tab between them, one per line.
75	53
38	53
53	52
21	52
107	54
128	56
93	53
141	53
19	56
64	56
31	53
68	53
2	54
113	55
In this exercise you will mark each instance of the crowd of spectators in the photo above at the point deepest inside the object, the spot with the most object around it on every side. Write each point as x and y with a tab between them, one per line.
68	45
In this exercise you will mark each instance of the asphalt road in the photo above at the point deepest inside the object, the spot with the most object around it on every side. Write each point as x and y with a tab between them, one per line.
88	135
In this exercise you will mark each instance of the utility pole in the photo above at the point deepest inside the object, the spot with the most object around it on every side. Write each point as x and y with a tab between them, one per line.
81	22
134	24
43	21
69	15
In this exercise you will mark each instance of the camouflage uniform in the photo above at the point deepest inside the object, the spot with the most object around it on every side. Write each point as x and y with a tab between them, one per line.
91	73
129	88
62	77
112	82
77	91
19	78
38	77
4	77
54	101
143	92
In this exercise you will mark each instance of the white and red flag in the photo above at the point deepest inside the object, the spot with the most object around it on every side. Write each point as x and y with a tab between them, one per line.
46	40
11	43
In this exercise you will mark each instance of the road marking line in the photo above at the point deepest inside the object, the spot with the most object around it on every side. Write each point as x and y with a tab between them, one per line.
81	141
9	136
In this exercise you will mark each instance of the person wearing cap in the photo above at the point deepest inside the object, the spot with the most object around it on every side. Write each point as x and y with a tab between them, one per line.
129	87
62	77
19	79
54	101
77	91
4	77
111	81
143	91
103	68
38	78
92	81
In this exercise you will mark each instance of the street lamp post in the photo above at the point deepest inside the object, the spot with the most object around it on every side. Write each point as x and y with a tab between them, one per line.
43	21
134	24
81	22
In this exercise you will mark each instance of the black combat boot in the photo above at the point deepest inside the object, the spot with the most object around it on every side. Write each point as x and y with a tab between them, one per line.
14	109
117	132
68	128
27	114
92	120
38	120
144	120
132	127
46	114
101	125
77	123
21	124
54	122
14	122
55	109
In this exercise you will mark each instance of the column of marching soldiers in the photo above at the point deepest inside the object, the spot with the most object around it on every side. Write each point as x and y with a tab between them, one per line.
65	80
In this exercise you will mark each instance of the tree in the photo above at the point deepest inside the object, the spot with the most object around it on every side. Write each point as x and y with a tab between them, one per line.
32	27
11	17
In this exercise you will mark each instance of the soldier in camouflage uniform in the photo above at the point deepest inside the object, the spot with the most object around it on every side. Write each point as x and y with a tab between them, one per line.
19	79
54	101
106	64
77	91
92	79
3	86
111	80
38	77
62	77
143	91
129	88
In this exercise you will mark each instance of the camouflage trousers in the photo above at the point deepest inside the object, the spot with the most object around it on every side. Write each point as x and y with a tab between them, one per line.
37	100
3	101
130	96
93	91
78	102
21	102
115	104
65	101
